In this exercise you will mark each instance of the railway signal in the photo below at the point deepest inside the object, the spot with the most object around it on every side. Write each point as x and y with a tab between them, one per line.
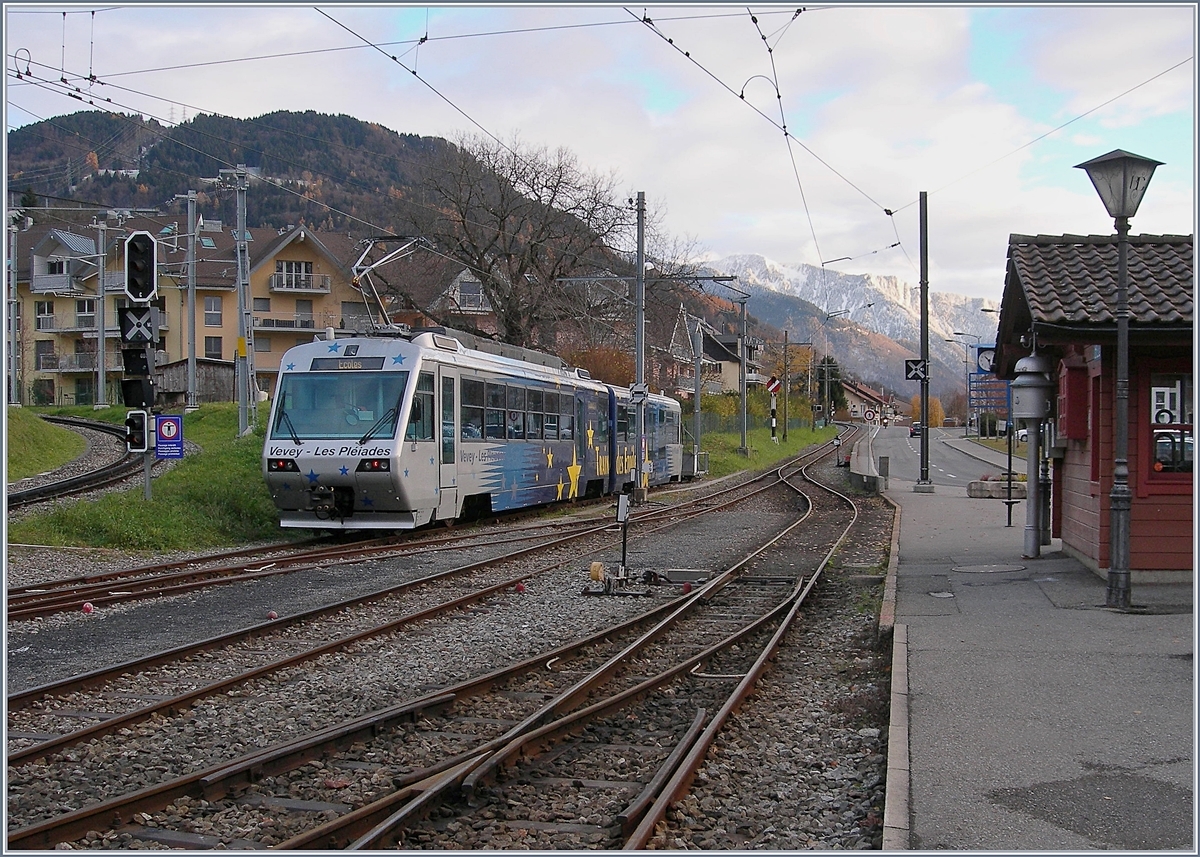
141	267
136	437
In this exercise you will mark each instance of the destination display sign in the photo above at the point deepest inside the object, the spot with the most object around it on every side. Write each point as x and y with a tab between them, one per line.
326	364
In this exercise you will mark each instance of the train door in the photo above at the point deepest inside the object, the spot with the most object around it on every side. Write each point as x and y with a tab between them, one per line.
448	469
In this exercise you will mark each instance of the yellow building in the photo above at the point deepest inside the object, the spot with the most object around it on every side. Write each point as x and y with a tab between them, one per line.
299	284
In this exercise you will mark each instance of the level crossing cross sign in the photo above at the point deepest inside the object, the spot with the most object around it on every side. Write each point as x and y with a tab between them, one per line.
915	370
138	324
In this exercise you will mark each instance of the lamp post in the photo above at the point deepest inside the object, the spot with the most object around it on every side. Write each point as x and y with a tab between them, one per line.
966	376
967	431
1121	179
837	313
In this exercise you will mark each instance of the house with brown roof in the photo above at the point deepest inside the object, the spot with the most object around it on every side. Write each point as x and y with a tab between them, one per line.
861	400
1060	296
300	283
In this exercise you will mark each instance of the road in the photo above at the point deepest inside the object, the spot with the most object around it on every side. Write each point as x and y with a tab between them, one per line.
948	466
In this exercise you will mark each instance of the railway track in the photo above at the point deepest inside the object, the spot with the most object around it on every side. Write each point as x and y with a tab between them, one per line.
125	467
31	710
95	591
413	776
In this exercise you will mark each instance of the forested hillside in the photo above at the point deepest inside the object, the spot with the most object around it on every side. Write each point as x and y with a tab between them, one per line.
357	169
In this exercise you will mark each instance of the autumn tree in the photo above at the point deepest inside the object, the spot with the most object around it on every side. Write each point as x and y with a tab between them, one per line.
937	416
522	219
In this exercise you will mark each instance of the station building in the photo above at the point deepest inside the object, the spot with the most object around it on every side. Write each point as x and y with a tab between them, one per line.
1060	299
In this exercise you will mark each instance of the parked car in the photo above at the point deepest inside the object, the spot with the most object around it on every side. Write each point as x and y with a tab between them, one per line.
914	430
1023	435
1174	452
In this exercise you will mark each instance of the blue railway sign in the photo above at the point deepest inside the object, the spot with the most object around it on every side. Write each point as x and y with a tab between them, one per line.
168	431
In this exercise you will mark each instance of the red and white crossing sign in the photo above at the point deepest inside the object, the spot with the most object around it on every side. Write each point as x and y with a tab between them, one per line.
773	385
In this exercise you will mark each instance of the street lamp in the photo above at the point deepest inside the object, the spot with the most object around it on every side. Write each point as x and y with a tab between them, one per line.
1121	179
837	313
967	431
966	379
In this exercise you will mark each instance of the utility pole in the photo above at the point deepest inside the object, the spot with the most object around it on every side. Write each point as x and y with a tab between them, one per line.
697	355
742	376
101	327
923	484
14	397
244	358
640	392
786	383
191	298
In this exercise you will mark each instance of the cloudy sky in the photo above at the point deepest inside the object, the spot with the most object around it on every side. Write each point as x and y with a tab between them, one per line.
987	109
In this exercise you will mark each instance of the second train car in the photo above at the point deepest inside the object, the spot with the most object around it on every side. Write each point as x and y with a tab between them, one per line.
394	432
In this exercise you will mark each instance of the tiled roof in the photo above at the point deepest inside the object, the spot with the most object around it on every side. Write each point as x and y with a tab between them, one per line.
1072	279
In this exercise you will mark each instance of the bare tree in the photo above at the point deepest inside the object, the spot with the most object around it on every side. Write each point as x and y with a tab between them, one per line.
521	218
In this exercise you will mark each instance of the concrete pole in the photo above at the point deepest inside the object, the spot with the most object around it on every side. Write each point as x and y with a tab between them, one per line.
923	483
786	384
640	346
742	353
101	326
247	389
698	354
192	398
14	390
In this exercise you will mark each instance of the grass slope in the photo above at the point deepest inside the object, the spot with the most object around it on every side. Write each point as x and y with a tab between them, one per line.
217	498
36	446
213	498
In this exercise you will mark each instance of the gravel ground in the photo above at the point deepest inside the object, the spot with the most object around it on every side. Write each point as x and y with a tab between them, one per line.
800	767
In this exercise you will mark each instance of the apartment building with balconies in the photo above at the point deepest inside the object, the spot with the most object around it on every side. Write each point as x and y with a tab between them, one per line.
70	286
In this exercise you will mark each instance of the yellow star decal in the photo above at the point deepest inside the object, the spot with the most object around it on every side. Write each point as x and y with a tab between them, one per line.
549	458
591	431
560	489
573	472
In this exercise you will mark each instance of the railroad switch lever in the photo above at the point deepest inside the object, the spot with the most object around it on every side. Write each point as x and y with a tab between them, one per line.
615	583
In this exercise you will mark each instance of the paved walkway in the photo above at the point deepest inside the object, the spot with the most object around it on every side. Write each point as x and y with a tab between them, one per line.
1026	715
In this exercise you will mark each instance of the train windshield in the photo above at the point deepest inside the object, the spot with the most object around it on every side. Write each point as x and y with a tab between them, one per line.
329	405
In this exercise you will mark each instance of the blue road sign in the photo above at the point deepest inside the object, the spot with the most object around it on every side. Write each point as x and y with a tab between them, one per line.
168	431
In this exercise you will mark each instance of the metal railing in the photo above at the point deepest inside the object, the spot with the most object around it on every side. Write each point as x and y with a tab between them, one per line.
281	282
300	321
59	283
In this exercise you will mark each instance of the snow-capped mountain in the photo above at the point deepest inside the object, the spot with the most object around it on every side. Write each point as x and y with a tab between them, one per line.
884	305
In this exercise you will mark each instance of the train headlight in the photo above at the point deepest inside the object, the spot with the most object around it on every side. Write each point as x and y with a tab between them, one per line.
374	465
282	465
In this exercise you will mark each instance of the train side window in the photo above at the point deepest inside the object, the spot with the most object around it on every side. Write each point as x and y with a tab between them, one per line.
515	422
622	423
447	420
602	421
533	419
550	427
566	419
493	417
420	419
471	412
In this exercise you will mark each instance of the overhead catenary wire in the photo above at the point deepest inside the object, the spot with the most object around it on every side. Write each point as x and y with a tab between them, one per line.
793	16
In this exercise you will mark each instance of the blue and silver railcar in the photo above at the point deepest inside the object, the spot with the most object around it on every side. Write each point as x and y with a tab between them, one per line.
393	433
